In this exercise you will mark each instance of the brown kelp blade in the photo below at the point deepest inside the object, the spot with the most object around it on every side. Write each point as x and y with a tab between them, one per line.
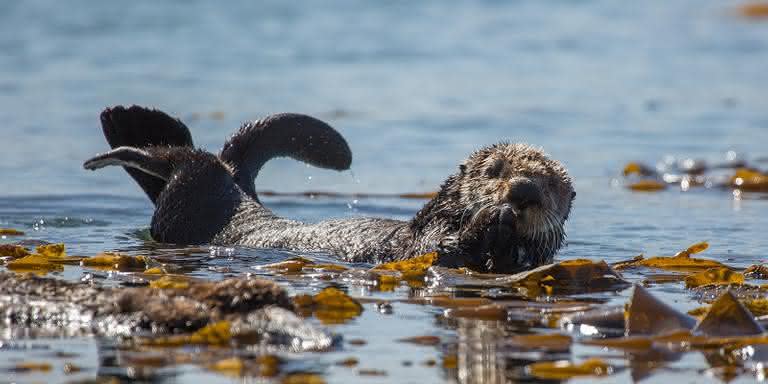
647	315
566	277
728	317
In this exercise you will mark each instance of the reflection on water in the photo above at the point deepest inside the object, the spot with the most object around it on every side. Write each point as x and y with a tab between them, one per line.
481	357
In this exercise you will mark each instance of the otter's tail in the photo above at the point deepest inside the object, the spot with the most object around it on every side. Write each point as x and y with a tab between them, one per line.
140	127
298	136
301	137
195	192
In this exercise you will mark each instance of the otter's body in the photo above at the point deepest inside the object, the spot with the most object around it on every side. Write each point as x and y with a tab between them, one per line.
363	239
503	211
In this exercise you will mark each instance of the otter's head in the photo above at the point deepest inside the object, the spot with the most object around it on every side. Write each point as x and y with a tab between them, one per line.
505	209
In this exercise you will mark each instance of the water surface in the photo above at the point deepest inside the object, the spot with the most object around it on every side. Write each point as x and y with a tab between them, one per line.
415	88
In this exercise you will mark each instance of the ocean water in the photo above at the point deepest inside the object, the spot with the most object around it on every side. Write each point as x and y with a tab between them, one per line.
415	87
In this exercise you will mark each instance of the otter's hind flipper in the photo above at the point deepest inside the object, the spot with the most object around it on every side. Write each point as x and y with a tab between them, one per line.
132	159
199	196
141	127
301	137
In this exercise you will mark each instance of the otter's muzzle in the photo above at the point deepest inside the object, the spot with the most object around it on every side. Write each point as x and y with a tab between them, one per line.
523	194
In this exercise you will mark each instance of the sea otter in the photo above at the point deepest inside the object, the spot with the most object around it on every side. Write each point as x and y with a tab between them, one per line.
502	212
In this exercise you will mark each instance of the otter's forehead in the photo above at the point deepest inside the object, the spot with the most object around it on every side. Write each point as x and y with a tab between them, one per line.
520	158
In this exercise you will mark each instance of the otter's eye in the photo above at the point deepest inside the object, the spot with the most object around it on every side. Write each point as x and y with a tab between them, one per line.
495	169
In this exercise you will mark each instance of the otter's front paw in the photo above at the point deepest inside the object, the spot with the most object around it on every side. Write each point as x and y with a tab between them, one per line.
452	253
494	244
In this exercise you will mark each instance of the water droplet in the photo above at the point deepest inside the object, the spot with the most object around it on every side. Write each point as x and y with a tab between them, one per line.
354	177
221	252
685	184
384	308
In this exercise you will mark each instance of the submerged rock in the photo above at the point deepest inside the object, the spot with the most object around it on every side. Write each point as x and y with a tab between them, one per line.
257	311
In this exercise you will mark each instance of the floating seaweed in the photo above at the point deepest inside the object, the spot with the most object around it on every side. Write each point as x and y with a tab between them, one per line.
13	251
724	330
171	282
570	276
555	306
714	276
564	370
10	232
33	263
109	261
421	340
411	269
303	378
755	11
349	362
689	173
682	261
330	306
749	180
647	186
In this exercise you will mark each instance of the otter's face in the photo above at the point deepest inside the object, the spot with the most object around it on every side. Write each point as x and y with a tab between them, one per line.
516	201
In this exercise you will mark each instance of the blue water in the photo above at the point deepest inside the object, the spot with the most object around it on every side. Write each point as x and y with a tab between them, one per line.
414	87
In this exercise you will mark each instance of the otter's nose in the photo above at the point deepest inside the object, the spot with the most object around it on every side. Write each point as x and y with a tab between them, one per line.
523	194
